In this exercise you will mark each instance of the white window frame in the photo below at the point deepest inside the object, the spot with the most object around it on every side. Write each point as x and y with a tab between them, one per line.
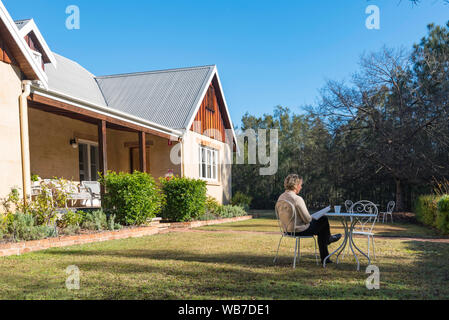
89	157
210	155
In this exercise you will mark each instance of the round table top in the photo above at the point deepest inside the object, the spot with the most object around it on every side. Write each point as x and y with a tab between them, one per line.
346	214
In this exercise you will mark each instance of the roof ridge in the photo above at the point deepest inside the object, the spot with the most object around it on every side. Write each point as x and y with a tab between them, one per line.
154	71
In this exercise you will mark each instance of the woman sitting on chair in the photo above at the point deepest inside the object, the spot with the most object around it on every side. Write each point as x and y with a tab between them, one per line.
305	225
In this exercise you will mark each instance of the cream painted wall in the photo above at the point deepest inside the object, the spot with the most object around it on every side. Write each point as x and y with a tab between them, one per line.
10	159
222	189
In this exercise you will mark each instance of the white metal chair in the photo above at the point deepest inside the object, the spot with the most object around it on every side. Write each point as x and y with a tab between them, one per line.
389	212
348	205
287	218
94	188
365	226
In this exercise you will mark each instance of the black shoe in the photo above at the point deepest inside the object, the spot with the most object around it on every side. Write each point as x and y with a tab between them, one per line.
328	261
334	238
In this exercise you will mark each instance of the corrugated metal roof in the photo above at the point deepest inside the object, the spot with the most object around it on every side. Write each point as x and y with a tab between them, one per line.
73	80
166	97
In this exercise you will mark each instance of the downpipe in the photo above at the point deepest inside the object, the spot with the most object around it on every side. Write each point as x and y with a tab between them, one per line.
24	142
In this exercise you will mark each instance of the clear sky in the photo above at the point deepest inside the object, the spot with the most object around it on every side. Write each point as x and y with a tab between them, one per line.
268	53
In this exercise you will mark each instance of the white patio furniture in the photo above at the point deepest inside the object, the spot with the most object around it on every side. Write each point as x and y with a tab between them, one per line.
389	212
365	225
287	220
94	188
348	205
356	216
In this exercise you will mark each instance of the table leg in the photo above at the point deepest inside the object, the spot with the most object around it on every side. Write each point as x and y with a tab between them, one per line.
345	240
342	246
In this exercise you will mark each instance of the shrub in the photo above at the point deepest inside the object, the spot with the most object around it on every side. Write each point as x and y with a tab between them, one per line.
212	206
185	199
442	220
242	200
132	198
98	220
95	220
23	227
232	211
426	210
71	219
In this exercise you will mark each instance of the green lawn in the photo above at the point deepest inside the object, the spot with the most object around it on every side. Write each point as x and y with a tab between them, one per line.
225	265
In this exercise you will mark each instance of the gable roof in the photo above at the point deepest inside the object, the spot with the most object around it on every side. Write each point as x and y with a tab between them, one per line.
16	42
27	26
167	97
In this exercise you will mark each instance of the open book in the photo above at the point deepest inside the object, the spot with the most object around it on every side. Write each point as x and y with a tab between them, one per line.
319	214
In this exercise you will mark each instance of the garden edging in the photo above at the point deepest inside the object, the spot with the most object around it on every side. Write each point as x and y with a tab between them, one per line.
19	248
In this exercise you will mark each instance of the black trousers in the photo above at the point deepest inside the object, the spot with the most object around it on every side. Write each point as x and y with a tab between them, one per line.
320	228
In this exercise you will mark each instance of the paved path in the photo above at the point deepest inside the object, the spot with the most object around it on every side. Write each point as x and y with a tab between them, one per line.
277	233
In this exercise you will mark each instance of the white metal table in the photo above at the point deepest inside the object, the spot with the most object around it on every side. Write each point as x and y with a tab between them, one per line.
349	228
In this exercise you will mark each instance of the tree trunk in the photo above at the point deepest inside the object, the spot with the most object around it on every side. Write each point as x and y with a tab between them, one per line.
399	199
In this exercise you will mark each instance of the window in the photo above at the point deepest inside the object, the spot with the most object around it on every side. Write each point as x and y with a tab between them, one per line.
208	164
89	162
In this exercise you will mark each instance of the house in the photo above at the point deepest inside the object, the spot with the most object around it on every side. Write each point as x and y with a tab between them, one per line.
59	120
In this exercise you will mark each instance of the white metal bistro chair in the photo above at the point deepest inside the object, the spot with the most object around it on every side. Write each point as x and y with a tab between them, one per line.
365	226
94	188
287	218
389	212
348	205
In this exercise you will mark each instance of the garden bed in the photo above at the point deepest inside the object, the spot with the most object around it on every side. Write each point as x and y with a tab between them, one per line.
18	248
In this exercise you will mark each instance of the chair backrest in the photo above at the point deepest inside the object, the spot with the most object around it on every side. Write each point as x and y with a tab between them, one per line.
348	205
365	207
390	206
93	186
286	216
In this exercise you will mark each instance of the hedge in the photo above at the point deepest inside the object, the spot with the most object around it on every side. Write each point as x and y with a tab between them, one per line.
185	199
433	210
134	198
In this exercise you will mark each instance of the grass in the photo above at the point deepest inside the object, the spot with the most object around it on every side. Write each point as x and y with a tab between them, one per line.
222	265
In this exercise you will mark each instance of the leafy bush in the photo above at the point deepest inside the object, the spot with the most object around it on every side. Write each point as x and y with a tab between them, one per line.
98	221
23	227
132	198
242	200
185	199
232	211
442	220
212	206
71	219
426	210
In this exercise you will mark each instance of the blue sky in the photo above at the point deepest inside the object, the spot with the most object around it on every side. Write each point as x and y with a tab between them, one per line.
268	53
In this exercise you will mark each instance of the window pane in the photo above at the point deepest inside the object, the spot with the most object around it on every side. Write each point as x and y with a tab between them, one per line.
209	164
94	165
214	166
83	162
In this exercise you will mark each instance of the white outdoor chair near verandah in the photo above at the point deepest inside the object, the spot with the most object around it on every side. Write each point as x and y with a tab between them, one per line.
94	188
287	219
389	212
365	226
